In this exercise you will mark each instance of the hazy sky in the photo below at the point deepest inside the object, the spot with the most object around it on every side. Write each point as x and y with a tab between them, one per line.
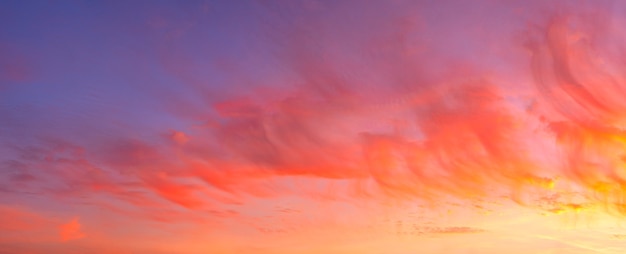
312	126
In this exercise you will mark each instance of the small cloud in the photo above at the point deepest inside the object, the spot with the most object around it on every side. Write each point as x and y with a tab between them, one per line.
449	230
458	230
71	231
180	137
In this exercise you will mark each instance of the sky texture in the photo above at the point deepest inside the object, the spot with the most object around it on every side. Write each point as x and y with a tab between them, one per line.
340	127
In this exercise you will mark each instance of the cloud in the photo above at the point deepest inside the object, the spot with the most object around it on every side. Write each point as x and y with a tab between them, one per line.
574	61
414	132
71	231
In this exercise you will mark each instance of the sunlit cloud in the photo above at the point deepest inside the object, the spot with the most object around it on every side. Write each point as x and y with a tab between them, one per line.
71	231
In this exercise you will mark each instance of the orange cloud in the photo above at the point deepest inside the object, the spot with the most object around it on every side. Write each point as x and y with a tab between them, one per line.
180	137
71	231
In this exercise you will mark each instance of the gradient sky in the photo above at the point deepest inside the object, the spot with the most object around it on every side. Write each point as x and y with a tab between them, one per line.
312	126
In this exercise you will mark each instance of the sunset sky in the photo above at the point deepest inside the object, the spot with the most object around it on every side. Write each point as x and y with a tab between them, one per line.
310	126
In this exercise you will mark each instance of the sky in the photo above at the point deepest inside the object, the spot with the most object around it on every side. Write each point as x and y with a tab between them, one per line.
312	126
